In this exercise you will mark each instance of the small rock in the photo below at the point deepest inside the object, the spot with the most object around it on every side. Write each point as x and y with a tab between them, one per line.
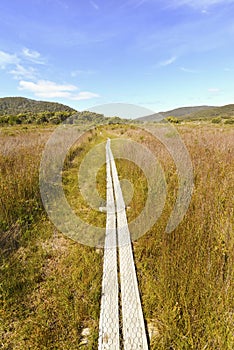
152	329
85	335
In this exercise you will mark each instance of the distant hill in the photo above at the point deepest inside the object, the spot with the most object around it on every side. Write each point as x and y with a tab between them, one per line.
20	110
19	105
224	112
178	113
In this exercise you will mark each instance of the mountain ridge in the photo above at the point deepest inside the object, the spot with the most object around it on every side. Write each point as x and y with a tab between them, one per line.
21	110
177	112
25	110
16	105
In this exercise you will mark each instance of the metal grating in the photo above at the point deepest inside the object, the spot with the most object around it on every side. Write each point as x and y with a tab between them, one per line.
109	315
134	333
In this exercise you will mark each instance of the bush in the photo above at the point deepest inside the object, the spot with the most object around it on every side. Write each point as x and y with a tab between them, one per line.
229	121
173	120
216	120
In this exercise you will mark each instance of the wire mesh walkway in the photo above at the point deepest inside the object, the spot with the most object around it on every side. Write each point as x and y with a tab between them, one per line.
117	235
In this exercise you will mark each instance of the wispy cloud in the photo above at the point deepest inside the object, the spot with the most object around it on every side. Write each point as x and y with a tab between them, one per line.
46	88
19	60
33	56
49	89
205	12
20	72
214	90
134	3
201	35
84	95
18	66
7	59
188	70
168	62
94	5
138	3
202	4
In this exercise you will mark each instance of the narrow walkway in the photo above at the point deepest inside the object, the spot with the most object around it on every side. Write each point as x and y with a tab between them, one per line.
117	235
109	316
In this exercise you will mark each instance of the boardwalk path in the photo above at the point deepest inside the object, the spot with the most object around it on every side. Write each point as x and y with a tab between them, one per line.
118	245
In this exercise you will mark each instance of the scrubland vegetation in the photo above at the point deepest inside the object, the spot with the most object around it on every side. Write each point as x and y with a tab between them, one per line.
50	286
20	110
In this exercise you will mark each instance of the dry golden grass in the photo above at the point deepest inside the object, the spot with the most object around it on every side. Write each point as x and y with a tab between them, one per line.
187	277
50	286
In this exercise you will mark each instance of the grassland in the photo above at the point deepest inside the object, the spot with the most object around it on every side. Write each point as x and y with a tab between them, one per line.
50	286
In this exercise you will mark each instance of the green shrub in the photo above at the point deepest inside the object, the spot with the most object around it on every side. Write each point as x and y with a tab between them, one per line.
173	120
216	120
229	121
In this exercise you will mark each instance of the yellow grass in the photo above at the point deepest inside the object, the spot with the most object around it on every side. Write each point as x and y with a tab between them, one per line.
50	286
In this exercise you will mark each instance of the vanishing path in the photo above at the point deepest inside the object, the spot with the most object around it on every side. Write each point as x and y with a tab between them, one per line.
109	316
118	247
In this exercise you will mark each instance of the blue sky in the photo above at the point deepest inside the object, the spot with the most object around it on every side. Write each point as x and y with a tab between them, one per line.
159	54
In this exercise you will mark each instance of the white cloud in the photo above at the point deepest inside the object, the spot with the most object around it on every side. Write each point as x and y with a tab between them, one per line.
199	4
7	59
202	5
18	63
205	12
168	62
214	90
49	89
20	72
32	55
138	3
46	88
189	36
188	70
83	95
135	3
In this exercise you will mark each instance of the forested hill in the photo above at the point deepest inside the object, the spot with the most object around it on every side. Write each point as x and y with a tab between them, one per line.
17	105
20	110
225	112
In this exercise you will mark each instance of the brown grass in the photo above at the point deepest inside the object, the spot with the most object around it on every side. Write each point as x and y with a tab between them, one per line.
50	286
